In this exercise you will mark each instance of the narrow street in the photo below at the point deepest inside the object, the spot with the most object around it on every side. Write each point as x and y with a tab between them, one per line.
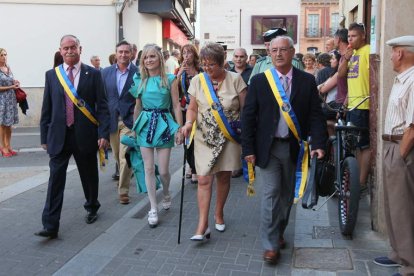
121	243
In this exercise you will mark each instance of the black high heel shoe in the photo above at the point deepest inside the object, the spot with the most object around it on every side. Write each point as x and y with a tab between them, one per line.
207	235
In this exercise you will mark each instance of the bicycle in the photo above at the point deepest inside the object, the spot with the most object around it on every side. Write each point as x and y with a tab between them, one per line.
341	157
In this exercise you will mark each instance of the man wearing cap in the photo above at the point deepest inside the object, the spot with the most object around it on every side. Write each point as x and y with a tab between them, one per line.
398	165
264	63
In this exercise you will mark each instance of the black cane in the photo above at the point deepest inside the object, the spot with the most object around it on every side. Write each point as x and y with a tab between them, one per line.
182	191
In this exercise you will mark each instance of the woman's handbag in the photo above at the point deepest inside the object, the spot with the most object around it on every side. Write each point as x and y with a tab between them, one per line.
20	95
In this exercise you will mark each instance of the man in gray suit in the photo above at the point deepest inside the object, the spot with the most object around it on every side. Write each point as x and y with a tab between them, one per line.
117	81
272	145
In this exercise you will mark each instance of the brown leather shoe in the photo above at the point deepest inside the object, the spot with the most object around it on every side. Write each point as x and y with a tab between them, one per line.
282	243
124	199
270	257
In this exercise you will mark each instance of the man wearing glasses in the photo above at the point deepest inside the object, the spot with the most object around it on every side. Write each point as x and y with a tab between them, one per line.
264	63
272	145
356	69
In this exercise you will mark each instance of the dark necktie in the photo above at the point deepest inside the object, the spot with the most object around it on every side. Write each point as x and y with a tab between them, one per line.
70	117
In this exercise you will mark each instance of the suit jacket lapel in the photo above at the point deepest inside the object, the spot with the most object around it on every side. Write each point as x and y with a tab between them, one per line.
295	85
83	76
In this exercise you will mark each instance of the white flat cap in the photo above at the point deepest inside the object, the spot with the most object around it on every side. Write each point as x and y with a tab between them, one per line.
407	40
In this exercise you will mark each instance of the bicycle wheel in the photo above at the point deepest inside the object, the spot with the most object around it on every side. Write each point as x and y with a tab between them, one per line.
348	200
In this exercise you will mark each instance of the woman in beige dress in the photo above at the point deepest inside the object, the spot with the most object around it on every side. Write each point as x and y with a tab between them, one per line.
215	155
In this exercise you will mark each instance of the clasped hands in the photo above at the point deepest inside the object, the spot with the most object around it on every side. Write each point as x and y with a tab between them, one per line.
179	138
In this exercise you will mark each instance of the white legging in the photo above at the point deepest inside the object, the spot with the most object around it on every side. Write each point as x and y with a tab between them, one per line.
163	155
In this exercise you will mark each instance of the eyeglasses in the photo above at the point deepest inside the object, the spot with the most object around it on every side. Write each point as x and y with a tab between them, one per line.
211	65
282	50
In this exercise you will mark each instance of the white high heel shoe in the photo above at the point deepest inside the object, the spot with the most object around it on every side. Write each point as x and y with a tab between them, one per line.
220	227
207	235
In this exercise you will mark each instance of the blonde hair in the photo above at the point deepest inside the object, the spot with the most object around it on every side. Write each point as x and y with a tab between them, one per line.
4	50
144	71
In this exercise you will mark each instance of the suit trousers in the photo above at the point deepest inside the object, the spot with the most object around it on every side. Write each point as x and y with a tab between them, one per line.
87	164
278	182
119	151
399	205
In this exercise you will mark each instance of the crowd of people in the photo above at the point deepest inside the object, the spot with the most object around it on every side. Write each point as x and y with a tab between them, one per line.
260	110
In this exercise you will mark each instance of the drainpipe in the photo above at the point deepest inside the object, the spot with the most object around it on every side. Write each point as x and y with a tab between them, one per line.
119	7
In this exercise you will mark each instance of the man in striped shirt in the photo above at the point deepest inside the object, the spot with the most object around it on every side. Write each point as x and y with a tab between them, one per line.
398	166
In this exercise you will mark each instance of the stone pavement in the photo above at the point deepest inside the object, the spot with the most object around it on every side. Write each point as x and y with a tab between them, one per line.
121	243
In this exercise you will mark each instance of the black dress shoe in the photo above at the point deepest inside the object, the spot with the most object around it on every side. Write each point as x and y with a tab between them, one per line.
47	234
115	176
91	217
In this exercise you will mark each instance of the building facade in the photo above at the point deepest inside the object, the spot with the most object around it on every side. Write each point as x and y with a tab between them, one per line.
319	21
36	26
241	23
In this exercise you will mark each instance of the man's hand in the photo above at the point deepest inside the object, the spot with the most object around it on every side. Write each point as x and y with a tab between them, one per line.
251	159
319	153
44	146
103	143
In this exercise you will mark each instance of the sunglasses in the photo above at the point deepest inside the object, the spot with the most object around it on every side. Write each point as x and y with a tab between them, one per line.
362	25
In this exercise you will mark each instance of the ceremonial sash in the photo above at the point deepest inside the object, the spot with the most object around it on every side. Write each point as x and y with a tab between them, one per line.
217	110
80	104
293	124
184	87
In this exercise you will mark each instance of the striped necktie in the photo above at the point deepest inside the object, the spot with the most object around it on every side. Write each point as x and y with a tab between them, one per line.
70	116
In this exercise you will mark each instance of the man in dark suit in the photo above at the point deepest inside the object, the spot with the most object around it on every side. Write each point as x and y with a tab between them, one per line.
117	81
66	131
268	142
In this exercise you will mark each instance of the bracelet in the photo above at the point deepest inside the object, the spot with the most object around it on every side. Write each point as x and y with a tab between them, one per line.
188	122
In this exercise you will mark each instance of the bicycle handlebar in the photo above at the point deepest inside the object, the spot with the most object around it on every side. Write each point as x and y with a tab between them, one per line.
342	108
348	128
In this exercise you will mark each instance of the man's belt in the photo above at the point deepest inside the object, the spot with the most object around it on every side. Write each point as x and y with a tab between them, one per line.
392	138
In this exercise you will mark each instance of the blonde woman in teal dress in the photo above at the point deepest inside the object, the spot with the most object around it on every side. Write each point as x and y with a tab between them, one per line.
154	125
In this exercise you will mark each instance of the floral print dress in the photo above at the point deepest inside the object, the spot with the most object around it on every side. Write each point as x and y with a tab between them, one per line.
8	105
213	152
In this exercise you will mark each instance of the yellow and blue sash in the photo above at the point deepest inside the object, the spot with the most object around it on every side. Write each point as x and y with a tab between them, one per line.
223	123
217	109
293	124
80	104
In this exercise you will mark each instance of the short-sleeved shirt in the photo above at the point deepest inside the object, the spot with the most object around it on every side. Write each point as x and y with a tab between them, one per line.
213	152
400	110
358	77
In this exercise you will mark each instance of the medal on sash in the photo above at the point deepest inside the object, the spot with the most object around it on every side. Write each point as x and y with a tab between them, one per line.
81	104
293	124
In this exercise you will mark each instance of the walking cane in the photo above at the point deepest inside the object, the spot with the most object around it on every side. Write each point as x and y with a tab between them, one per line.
182	189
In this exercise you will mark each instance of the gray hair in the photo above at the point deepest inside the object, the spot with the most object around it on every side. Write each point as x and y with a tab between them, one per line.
72	36
240	49
175	52
284	37
94	57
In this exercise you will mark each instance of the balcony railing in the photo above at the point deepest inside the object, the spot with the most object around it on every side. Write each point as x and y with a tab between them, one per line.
313	32
319	32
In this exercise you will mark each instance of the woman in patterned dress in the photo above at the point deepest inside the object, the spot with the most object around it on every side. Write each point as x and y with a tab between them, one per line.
215	155
154	125
8	106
